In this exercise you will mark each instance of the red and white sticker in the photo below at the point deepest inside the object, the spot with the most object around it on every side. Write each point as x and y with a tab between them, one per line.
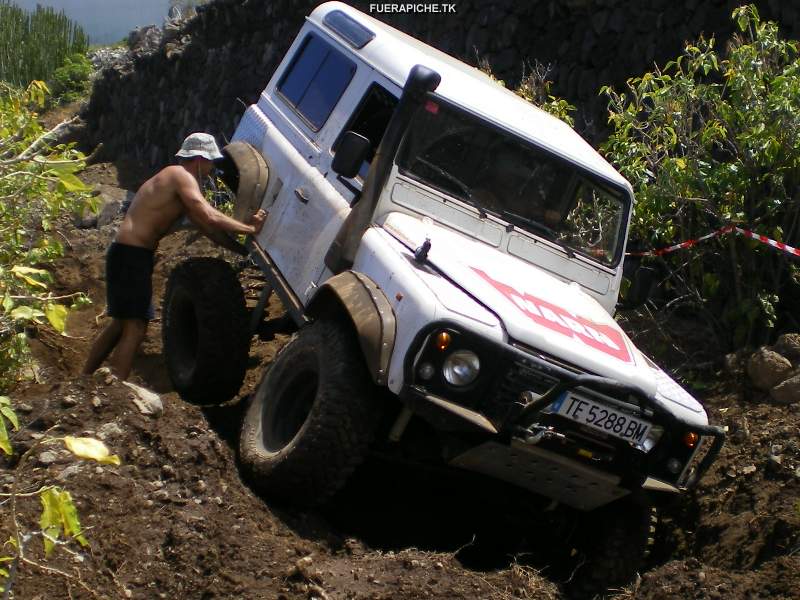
599	336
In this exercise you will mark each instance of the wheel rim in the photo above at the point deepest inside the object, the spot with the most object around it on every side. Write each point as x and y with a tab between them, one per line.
186	339
286	412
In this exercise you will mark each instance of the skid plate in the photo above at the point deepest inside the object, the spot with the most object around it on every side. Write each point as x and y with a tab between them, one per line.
544	473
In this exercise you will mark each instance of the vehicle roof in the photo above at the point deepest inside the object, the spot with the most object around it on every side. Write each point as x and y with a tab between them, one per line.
394	53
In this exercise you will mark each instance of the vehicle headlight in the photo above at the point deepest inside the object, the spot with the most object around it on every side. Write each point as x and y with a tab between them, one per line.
461	367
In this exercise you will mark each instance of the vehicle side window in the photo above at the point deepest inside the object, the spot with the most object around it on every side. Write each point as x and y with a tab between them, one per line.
316	79
371	120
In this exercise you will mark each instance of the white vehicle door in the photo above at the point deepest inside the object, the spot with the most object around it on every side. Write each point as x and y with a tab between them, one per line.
307	102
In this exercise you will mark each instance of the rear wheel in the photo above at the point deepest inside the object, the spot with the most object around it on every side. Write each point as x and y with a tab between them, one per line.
205	331
312	418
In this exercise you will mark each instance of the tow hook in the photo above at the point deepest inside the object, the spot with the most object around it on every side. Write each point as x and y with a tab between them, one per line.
533	434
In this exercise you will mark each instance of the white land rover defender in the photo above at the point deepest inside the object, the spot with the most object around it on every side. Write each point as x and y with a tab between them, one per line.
452	256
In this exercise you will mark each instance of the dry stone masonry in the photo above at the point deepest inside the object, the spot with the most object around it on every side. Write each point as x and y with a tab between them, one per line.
201	72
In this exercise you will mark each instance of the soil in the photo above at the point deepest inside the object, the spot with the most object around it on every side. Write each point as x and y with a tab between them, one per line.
176	520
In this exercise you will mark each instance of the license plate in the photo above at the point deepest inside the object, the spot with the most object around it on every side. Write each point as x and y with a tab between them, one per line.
601	417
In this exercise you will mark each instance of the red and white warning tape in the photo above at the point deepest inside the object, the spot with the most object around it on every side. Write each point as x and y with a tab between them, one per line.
722	231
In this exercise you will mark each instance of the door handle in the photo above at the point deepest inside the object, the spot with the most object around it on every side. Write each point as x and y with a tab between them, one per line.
301	195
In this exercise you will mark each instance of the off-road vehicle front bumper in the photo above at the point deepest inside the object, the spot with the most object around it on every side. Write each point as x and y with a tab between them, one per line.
525	420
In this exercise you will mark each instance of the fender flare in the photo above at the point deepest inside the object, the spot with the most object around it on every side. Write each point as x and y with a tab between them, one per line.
249	178
370	312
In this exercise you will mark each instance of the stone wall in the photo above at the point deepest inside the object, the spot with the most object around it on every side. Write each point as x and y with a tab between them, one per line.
200	74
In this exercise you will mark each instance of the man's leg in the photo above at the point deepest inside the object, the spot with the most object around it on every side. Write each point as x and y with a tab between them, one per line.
133	333
102	346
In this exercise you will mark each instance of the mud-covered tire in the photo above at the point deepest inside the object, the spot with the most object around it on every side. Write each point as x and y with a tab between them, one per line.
205	331
616	542
311	421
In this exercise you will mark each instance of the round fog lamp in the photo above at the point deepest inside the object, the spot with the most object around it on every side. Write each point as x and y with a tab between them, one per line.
461	367
674	465
426	371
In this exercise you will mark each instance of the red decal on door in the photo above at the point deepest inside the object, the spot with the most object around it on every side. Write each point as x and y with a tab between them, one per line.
597	335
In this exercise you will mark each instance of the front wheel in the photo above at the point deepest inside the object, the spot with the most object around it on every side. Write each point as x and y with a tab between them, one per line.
312	418
615	542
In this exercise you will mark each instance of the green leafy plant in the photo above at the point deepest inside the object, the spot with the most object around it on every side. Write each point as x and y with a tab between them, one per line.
535	87
71	81
708	140
38	185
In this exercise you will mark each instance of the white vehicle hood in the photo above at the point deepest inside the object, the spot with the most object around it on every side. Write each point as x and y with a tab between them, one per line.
541	311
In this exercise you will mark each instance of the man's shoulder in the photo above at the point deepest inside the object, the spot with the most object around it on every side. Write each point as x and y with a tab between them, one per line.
174	172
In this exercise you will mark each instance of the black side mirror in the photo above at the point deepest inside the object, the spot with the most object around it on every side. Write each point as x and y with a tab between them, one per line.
642	282
352	151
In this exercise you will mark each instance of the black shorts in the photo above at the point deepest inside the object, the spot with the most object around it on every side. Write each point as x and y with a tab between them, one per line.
129	282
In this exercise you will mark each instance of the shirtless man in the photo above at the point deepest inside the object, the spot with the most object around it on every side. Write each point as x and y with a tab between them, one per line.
154	211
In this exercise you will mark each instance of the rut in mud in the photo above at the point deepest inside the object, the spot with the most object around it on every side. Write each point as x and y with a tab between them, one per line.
176	521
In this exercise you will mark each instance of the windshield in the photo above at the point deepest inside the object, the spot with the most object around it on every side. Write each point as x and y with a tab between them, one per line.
513	180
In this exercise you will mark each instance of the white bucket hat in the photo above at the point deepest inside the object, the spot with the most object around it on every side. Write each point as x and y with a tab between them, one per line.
200	144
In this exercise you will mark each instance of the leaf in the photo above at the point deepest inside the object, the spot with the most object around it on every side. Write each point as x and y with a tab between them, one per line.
59	515
26	313
27	273
90	448
70	183
5	443
8	303
49	521
57	315
9	414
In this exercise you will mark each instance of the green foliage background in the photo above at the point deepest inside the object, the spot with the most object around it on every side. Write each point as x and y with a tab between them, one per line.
713	139
37	186
33	45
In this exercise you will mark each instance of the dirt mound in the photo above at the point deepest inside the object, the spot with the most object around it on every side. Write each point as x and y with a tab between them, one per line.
176	521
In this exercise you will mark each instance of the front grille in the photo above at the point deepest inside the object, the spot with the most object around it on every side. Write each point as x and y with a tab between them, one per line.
519	377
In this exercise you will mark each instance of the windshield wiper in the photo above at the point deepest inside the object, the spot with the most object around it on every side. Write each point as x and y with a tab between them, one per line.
533	224
538	227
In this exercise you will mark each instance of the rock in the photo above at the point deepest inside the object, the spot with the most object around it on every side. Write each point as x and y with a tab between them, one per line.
168	471
302	568
788	345
69	471
787	392
104	375
438	566
749	470
148	403
767	368
97	402
108	213
85	221
734	363
68	401
48	458
109	430
23	408
775	463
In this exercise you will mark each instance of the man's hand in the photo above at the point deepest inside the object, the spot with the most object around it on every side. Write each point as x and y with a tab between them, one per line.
257	220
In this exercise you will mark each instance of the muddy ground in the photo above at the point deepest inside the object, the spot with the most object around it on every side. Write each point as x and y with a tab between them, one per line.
175	520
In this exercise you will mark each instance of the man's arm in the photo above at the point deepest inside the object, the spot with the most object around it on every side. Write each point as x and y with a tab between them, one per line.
205	216
224	240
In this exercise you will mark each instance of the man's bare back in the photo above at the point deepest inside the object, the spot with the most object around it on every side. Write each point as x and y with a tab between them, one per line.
155	208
